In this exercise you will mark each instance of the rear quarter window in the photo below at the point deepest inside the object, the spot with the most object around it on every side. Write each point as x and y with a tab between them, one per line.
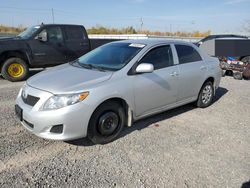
187	54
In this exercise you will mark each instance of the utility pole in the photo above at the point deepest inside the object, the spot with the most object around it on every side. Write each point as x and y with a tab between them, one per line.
170	29
141	21
53	17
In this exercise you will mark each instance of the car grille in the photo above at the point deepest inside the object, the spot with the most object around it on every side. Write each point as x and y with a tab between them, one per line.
30	100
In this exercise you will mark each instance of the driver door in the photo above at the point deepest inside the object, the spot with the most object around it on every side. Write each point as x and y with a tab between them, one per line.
48	47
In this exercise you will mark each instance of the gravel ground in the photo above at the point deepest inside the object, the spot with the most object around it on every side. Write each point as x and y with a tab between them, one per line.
184	147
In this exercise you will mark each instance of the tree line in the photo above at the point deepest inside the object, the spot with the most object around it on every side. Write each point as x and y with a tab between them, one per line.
130	30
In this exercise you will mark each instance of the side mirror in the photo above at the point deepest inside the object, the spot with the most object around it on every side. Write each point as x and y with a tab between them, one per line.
42	37
144	68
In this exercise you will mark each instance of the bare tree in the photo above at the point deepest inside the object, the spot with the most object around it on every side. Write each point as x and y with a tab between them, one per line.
246	26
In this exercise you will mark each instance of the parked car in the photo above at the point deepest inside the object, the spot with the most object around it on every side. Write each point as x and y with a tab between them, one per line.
98	94
211	37
42	46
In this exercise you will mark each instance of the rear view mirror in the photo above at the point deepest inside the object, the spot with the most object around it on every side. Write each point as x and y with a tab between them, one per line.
144	68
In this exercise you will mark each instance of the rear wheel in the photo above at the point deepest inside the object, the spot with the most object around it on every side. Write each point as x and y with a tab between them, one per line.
206	95
106	123
14	69
238	75
246	59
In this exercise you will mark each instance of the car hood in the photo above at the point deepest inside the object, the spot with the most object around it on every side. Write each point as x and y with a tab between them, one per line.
67	79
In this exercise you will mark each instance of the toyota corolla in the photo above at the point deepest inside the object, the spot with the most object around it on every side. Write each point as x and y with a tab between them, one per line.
98	94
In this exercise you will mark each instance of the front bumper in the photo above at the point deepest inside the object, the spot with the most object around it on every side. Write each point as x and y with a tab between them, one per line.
73	119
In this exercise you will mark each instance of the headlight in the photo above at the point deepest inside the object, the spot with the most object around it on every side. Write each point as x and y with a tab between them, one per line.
60	101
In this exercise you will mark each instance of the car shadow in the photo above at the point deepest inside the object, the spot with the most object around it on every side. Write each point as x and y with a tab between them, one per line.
220	92
152	120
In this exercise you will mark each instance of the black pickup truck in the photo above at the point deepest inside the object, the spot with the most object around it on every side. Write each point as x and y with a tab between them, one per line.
42	46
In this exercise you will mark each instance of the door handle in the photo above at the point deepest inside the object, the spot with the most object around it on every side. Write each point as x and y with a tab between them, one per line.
174	74
203	68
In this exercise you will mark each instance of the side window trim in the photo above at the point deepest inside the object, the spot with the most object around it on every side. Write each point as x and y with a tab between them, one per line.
175	55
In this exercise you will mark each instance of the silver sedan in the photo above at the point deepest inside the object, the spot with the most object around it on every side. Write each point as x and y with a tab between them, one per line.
98	94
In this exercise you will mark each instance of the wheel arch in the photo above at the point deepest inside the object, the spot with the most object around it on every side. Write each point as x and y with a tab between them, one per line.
210	79
124	104
11	54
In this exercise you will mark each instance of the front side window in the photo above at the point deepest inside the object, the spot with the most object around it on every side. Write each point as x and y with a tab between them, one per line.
112	56
187	54
160	57
53	34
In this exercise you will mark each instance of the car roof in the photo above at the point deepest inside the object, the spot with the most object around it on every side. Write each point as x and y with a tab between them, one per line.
60	25
154	41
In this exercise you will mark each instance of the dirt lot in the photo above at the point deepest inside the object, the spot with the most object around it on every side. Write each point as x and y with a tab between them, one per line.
185	147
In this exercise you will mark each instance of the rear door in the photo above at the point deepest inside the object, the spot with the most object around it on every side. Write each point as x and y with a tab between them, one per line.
153	91
192	72
76	41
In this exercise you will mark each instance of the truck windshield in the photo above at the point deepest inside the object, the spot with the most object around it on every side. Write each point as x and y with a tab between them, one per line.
28	32
111	57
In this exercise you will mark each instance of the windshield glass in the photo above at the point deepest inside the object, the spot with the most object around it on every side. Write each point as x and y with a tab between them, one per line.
110	57
28	32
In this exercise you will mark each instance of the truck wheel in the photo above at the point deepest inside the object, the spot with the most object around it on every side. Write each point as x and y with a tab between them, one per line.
238	75
106	123
206	95
15	69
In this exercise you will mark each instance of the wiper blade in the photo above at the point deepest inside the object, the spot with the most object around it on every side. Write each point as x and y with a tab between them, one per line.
99	68
87	66
91	66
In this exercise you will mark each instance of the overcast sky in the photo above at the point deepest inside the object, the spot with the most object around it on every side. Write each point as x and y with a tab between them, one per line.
219	16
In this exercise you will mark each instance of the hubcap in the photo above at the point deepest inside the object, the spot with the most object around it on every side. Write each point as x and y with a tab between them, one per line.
108	123
207	94
15	70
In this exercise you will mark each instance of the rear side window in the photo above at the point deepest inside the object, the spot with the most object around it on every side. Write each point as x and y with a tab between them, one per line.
187	54
160	57
74	33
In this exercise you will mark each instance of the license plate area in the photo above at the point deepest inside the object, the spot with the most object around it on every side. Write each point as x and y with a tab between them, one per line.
19	112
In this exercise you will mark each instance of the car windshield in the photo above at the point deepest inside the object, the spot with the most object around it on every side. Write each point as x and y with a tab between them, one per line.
111	57
28	32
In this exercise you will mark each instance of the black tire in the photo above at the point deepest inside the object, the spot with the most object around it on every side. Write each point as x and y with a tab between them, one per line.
22	69
201	101
238	75
100	130
223	73
246	59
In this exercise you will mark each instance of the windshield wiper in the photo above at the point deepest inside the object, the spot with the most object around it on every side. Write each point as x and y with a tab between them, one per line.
99	68
87	66
91	66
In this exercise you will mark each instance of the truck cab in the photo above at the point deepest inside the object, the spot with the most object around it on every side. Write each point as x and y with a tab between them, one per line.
41	46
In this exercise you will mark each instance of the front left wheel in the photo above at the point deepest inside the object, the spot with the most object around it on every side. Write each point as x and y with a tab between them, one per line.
106	123
15	69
